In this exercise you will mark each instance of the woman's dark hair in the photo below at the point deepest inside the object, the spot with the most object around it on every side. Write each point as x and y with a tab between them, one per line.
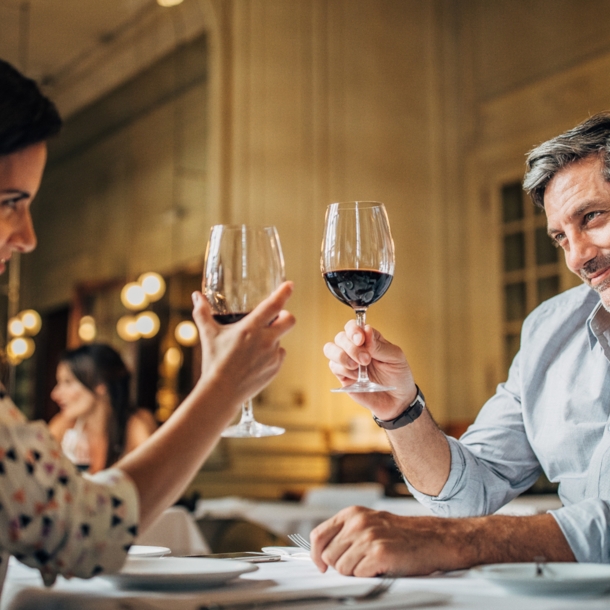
26	116
98	363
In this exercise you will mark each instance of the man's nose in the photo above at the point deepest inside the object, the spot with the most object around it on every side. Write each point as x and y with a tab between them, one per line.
23	238
581	251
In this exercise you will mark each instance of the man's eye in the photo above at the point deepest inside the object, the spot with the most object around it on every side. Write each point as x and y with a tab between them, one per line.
590	216
557	240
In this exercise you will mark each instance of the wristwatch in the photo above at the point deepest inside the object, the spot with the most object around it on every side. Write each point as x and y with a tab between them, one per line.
408	416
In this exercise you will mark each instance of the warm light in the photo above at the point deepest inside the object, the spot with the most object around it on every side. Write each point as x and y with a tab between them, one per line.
31	321
87	329
167	3
16	327
19	349
153	285
186	333
126	328
173	358
133	296
147	324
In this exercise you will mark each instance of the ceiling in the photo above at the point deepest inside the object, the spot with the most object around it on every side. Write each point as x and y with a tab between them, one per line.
57	34
78	50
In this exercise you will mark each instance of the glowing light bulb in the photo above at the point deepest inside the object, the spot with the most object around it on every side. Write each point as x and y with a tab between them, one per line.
186	333
133	296
19	349
173	357
16	327
87	329
147	324
31	321
126	328
153	285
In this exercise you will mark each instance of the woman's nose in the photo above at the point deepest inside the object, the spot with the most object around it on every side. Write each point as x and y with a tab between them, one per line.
23	238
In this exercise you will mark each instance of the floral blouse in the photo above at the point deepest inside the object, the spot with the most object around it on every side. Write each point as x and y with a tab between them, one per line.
52	517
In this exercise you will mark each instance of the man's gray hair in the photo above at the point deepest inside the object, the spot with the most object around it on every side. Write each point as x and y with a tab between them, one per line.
592	137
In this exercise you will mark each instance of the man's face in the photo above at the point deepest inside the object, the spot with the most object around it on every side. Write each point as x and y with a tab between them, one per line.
577	205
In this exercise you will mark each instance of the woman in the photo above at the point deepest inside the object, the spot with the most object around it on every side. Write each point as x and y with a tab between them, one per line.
97	423
51	517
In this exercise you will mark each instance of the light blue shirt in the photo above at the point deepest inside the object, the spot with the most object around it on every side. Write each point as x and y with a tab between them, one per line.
551	415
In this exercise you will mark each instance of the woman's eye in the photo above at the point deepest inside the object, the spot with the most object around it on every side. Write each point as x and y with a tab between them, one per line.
11	203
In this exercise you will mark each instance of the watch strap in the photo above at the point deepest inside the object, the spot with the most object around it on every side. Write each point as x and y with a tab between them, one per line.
408	416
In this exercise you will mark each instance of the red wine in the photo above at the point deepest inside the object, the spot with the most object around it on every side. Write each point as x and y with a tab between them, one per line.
229	318
358	288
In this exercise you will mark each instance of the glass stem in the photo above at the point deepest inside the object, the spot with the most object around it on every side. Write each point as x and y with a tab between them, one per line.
246	413
363	376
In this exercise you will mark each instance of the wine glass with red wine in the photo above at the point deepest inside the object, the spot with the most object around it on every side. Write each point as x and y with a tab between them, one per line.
243	266
357	264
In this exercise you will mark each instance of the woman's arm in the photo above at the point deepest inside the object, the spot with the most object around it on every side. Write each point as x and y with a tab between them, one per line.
238	360
58	425
139	427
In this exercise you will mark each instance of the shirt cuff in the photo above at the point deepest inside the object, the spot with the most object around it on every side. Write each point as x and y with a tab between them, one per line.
454	481
586	528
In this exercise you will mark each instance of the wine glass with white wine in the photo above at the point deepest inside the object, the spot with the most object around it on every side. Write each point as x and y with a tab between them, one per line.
243	266
357	263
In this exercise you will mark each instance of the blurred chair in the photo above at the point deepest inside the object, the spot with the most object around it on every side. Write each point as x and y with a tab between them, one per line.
343	495
177	530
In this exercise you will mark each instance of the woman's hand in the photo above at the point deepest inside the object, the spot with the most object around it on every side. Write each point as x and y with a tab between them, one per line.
386	364
243	357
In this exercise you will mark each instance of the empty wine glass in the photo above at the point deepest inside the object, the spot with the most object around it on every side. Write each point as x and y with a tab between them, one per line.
243	266
357	263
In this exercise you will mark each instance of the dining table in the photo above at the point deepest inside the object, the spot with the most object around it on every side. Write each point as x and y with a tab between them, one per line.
277	585
283	517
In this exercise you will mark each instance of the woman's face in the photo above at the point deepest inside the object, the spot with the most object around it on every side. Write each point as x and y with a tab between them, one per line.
73	398
20	176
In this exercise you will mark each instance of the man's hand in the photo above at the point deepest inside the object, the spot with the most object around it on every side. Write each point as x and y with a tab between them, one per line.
386	364
362	542
245	356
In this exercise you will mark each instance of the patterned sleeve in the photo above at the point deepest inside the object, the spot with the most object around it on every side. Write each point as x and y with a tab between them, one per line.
53	518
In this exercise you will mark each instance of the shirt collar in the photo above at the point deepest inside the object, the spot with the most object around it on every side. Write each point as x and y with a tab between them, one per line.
598	323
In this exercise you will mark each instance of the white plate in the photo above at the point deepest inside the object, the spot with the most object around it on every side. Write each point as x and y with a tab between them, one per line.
557	578
140	550
164	573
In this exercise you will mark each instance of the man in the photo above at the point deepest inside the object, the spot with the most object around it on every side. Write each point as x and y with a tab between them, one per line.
551	415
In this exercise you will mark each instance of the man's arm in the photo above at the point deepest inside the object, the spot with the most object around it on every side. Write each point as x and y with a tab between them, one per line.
421	449
362	542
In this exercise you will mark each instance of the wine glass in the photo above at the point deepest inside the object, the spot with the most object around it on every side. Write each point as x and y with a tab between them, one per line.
243	266
357	263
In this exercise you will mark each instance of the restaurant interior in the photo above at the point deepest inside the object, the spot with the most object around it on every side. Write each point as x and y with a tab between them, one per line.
183	115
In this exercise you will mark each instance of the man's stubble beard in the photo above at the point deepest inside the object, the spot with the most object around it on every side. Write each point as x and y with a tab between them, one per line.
603	289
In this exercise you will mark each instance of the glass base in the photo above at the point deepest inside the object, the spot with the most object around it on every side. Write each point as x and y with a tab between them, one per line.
251	429
364	386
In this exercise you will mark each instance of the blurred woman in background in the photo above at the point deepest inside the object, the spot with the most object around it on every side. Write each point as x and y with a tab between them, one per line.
97	423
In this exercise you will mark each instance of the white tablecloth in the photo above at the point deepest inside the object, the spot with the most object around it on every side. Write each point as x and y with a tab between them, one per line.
292	517
23	591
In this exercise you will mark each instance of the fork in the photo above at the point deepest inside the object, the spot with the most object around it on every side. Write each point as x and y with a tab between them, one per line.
300	541
373	593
